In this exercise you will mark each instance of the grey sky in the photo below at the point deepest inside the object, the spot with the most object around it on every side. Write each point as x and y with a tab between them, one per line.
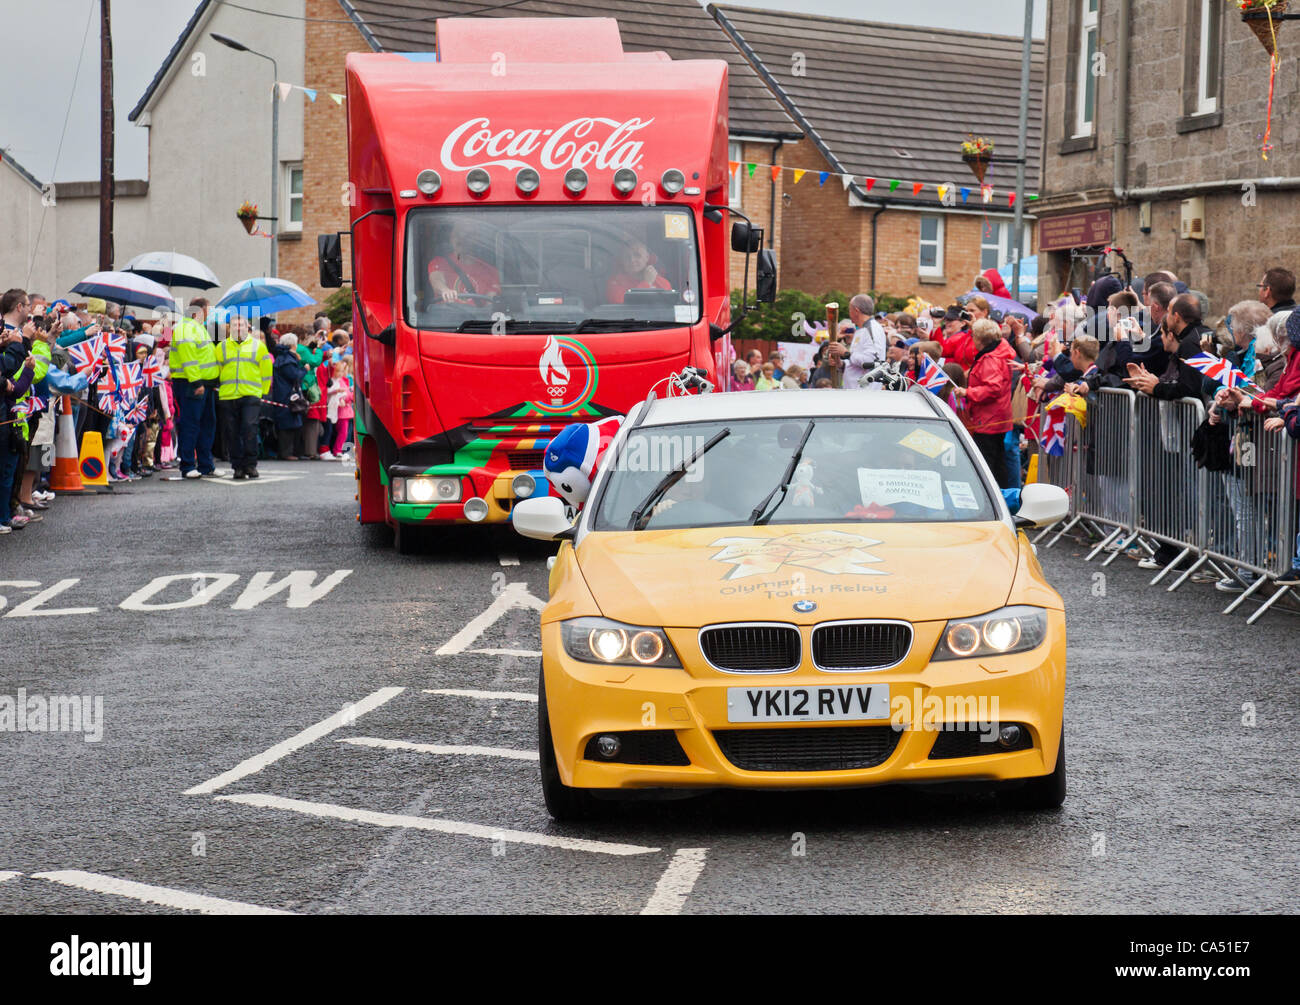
46	38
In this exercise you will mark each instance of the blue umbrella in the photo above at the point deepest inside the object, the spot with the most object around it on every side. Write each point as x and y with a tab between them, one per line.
265	296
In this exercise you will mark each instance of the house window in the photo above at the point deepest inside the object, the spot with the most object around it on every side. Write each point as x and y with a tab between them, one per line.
1207	66
931	257
734	153
292	219
1086	85
995	244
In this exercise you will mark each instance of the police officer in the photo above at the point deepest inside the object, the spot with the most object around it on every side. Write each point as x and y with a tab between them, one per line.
192	361
244	375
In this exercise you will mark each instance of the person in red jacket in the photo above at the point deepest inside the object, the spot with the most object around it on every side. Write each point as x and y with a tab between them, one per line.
988	398
956	341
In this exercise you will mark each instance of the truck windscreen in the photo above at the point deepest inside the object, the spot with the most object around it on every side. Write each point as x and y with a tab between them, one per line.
528	268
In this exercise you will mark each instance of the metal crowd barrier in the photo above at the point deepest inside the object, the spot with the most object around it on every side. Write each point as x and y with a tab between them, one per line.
1133	482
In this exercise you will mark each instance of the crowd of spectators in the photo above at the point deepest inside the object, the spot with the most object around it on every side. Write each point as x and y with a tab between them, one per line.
307	414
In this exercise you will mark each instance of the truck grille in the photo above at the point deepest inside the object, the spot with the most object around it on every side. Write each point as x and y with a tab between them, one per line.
525	460
860	645
807	748
752	648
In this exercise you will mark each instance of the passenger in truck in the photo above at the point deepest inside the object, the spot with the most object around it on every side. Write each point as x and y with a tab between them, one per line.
457	273
636	272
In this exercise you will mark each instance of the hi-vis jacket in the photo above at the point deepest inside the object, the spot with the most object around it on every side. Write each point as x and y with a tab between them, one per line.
244	369
192	356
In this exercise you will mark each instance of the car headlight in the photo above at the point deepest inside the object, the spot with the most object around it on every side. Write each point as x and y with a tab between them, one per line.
599	640
1010	630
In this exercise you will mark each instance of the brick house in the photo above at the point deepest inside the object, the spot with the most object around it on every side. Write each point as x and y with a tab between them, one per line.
890	102
1155	114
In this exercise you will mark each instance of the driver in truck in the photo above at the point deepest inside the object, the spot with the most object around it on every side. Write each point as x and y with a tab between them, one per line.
636	271
457	272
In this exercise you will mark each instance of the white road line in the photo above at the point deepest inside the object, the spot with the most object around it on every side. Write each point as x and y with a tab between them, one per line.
506	652
342	474
676	883
260	480
438	748
148	894
5	874
515	595
332	811
508	560
344	717
466	693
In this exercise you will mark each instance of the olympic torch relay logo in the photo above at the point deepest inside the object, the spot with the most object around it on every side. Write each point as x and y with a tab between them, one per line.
603	144
559	396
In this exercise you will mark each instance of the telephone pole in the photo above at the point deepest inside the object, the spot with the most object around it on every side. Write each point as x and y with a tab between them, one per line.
105	137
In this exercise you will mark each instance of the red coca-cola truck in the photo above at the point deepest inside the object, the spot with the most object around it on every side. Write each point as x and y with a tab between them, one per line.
538	236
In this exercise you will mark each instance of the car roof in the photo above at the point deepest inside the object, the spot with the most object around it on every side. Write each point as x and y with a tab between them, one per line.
734	405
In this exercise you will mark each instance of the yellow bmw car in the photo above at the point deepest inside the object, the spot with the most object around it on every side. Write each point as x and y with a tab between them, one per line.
798	590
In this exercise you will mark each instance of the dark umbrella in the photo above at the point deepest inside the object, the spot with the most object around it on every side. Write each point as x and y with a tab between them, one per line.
173	269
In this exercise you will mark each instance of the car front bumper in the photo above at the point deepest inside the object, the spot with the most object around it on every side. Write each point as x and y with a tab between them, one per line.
586	700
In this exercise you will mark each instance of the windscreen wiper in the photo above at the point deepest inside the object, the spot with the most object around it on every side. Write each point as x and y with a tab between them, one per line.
760	514
487	325
641	515
620	325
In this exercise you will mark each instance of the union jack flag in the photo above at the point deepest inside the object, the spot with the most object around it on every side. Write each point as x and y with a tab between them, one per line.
137	412
130	379
1220	369
25	408
110	394
151	372
115	343
85	355
1052	431
932	376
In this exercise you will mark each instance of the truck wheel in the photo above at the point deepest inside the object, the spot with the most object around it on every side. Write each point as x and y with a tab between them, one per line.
562	801
1046	792
408	538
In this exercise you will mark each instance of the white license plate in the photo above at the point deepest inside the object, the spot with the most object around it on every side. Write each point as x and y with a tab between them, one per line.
814	703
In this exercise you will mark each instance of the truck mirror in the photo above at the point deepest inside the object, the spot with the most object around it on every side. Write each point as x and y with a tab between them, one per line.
329	252
765	281
745	238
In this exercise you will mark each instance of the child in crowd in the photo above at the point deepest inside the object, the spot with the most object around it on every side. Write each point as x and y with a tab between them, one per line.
339	404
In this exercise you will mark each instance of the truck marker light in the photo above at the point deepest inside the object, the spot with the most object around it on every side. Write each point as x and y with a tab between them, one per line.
527	180
523	485
407	193
575	180
476	509
478	181
428	181
673	181
624	181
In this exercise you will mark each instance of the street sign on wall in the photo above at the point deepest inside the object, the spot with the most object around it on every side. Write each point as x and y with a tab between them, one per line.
1075	230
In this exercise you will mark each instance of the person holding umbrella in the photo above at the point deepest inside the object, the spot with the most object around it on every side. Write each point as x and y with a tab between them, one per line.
193	365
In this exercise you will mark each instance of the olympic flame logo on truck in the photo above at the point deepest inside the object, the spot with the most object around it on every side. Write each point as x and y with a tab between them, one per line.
577	143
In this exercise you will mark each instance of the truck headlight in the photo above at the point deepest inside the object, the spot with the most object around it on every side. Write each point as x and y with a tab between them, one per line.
599	640
425	489
1010	630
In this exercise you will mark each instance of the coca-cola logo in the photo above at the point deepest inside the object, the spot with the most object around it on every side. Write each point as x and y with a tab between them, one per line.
605	144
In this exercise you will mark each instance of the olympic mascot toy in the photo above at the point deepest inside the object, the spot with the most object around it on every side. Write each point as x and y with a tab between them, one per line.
575	454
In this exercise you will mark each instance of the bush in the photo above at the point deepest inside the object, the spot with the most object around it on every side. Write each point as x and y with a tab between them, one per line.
777	322
339	306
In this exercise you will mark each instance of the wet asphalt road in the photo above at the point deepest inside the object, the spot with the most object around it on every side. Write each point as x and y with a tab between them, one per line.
1175	805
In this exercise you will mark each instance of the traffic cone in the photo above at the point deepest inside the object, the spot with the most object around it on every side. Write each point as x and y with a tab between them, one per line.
65	479
94	472
1032	477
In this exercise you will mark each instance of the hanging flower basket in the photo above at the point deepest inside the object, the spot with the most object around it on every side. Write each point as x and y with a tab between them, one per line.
247	214
977	152
1262	17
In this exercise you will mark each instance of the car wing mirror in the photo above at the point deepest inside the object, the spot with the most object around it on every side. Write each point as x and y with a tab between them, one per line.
1042	505
542	518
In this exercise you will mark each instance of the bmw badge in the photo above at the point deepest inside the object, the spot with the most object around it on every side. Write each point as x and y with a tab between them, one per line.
805	606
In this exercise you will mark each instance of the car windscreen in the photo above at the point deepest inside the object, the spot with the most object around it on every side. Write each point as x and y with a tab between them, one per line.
851	469
530	267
